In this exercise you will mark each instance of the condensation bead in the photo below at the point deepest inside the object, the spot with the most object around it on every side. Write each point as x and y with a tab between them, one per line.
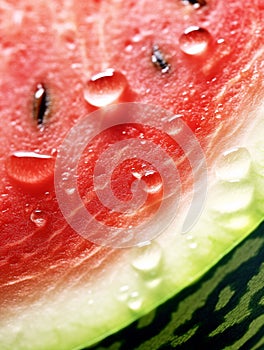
147	258
234	164
105	88
134	301
231	197
237	222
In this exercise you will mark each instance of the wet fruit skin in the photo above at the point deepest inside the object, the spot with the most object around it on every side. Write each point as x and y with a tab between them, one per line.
29	251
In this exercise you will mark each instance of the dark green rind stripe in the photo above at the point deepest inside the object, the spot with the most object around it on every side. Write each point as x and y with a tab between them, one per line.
223	310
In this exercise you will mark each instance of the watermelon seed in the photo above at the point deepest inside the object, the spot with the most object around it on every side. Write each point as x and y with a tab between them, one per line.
105	88
40	104
195	3
158	59
194	40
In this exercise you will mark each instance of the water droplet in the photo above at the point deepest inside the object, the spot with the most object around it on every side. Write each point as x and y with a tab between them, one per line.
147	259
239	222
154	282
18	16
70	191
154	188
137	38
54	151
220	41
105	88
234	164
231	197
69	37
65	176
136	174
129	48
134	301
30	168
123	293
39	218
175	129
194	40
193	245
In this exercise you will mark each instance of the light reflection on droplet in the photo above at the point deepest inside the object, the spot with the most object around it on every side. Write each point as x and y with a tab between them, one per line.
105	88
194	40
38	218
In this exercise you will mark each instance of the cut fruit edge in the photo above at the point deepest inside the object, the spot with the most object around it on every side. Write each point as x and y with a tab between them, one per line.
80	316
142	278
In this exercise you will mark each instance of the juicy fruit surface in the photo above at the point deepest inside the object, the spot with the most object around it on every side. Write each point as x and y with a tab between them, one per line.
219	93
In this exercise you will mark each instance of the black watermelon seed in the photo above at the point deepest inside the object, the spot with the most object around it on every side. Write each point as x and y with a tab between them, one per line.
158	59
198	3
40	103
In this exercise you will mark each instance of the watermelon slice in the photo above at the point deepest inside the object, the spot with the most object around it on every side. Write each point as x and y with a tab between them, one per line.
64	61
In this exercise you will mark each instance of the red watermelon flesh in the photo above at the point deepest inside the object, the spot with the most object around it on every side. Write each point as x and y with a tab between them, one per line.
58	290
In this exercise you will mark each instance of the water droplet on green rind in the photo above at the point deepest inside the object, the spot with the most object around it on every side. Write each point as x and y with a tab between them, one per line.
134	301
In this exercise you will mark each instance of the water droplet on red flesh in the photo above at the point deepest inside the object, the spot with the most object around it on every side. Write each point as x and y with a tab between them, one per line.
105	88
30	168
194	40
38	218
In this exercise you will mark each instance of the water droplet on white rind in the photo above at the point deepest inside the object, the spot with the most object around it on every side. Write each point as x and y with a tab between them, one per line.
234	165
105	88
122	294
147	259
231	197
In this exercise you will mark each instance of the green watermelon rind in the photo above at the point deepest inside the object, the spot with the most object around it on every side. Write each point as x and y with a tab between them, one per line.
222	310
